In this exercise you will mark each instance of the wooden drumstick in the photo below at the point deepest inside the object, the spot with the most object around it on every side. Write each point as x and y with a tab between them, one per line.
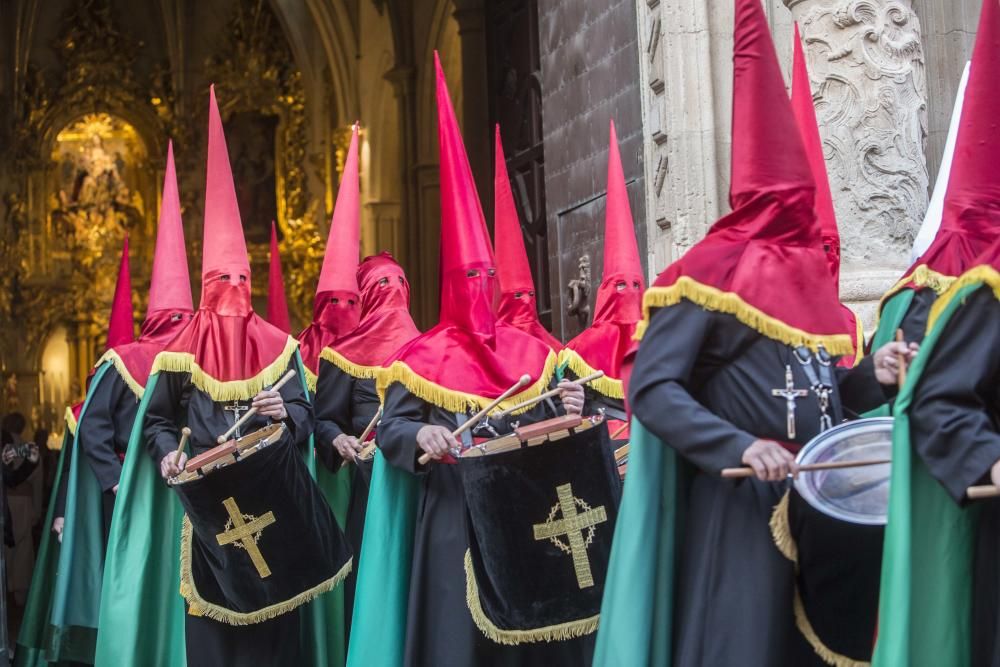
549	394
981	492
469	423
367	431
619	431
739	473
252	411
185	434
901	360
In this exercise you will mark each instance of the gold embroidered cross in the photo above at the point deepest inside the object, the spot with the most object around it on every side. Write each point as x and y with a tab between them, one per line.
245	533
572	524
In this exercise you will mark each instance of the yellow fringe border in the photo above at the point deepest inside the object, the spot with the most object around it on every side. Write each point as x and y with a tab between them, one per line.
921	277
197	606
609	386
457	401
549	633
311	379
233	390
356	371
781	533
985	274
70	421
112	358
714	299
859	342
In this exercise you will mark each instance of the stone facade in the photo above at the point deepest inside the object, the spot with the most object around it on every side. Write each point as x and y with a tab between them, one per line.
868	69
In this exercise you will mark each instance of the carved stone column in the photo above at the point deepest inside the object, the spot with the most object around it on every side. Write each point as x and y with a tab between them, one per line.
866	62
471	16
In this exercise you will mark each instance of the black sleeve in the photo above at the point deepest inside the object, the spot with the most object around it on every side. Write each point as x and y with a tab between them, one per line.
364	405
914	324
678	345
301	421
859	390
96	432
333	403
164	412
953	414
404	415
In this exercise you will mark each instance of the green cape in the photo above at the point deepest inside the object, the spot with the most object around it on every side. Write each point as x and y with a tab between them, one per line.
378	627
142	611
72	630
637	611
891	316
31	636
925	606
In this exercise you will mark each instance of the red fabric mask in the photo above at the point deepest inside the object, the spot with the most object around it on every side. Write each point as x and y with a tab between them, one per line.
469	358
386	324
335	314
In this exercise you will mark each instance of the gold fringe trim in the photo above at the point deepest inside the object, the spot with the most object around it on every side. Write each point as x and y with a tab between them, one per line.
608	386
714	299
70	422
781	533
921	277
311	379
859	341
549	633
356	371
457	401
112	357
826	654
984	274
197	606
233	390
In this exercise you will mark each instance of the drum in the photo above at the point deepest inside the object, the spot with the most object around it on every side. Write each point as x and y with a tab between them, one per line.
856	495
831	525
541	509
229	453
258	536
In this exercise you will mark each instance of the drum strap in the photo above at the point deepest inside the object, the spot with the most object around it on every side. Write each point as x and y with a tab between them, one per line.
821	384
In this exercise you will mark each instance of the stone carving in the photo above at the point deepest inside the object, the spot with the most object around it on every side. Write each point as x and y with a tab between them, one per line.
867	68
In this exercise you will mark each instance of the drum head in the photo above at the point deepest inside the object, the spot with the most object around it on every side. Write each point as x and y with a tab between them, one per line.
857	495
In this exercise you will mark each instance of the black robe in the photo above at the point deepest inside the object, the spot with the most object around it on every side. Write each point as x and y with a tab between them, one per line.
345	404
914	324
104	432
176	402
440	630
955	429
702	384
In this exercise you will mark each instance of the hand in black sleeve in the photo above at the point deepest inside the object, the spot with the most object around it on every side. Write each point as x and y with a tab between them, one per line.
404	416
161	427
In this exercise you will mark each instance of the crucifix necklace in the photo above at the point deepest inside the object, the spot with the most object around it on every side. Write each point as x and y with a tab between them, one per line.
790	394
236	408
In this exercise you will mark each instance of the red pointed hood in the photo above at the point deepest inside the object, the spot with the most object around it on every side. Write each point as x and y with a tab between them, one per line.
971	217
618	307
469	358
518	304
385	325
170	305
277	304
337	308
120	329
763	263
230	351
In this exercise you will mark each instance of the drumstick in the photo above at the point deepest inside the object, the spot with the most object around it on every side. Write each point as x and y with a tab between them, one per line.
901	359
984	491
252	411
738	473
549	394
523	380
367	431
185	434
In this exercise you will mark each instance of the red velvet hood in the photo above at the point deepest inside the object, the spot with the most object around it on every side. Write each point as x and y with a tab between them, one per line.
518	304
618	308
470	357
386	324
231	353
763	263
